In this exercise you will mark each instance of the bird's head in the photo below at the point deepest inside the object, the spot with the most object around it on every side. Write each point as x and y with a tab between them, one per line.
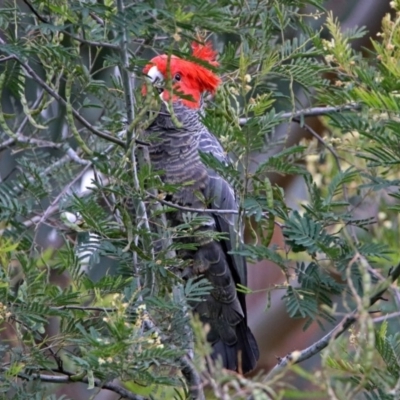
188	79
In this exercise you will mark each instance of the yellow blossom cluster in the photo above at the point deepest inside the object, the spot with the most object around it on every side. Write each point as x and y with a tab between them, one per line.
4	313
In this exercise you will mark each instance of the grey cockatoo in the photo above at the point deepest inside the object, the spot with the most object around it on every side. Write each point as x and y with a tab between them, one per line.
176	151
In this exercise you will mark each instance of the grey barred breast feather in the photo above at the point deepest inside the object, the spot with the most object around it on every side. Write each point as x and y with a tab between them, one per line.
176	152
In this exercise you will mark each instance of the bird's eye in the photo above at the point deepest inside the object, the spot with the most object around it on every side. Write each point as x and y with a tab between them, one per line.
177	77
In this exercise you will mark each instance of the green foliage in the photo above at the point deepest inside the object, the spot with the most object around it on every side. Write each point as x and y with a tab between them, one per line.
90	280
383	381
316	288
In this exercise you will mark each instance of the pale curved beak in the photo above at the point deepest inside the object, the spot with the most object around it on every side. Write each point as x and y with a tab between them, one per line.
156	78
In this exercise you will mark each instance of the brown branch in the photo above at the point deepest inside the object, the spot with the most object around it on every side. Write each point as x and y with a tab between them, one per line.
335	155
113	387
96	18
311	112
320	140
7	144
62	193
91	42
87	42
75	113
33	10
192	378
8	58
85	308
72	154
22	125
197	210
385	317
50	210
296	357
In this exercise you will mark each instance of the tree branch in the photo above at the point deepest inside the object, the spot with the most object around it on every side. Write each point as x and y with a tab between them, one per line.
141	212
319	139
311	112
96	18
386	317
86	308
54	207
69	379
33	10
7	143
75	113
296	357
197	210
349	227
188	370
72	154
62	193
91	42
87	42
8	58
22	125
192	378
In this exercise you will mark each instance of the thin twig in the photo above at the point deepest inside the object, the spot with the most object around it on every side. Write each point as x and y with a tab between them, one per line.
8	58
30	140
50	210
71	155
192	378
73	378
55	207
62	193
76	114
86	308
88	42
91	42
311	112
137	159
114	210
7	143
188	369
197	210
59	98
33	10
96	18
350	228
296	357
22	125
383	318
320	140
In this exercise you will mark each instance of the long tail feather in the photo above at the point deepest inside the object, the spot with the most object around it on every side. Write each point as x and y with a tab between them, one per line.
243	355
